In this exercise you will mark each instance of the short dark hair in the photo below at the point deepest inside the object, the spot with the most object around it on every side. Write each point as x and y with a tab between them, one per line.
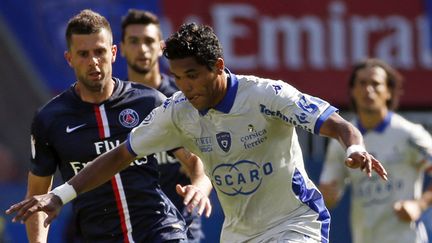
136	16
394	80
193	40
86	22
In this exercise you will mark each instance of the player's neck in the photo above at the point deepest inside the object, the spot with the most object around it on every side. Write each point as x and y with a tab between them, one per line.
222	88
371	119
94	96
152	78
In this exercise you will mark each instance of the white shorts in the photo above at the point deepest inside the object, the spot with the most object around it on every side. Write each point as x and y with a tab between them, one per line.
291	237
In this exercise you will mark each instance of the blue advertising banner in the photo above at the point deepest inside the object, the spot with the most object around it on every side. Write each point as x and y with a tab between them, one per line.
39	27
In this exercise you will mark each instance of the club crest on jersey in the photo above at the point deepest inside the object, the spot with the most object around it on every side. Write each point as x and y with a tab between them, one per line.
129	118
224	141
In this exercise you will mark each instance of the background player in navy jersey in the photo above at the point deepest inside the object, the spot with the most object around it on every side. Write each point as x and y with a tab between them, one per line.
141	47
244	129
91	117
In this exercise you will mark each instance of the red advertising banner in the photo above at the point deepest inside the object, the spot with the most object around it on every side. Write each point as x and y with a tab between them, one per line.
313	44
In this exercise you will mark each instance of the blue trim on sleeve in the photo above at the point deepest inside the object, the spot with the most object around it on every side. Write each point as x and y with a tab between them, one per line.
330	110
312	198
129	146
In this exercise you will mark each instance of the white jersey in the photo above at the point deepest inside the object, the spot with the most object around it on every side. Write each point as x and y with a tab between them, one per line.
251	153
400	146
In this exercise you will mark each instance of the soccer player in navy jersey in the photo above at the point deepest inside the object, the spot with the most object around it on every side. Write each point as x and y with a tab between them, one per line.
141	47
91	117
243	128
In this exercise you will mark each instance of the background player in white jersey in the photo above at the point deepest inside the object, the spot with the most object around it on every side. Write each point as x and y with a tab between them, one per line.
243	128
141	47
382	212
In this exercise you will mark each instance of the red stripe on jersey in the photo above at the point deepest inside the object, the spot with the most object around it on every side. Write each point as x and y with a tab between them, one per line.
120	210
104	132
99	122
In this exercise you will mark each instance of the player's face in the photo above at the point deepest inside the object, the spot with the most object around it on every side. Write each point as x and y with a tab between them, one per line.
91	56
141	47
204	88
370	91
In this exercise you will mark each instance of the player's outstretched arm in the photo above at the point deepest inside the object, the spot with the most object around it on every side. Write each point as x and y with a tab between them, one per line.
93	175
37	185
196	194
331	192
350	137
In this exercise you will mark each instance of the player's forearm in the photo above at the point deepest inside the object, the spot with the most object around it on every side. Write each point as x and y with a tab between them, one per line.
338	128
194	169
101	169
36	232
426	199
204	183
198	177
331	193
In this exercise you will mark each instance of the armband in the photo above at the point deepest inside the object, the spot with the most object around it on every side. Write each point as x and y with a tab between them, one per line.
65	192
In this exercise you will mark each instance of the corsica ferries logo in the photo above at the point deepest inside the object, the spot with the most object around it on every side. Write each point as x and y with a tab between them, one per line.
243	177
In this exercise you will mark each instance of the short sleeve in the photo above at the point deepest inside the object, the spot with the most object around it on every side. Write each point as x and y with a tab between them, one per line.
292	106
156	133
334	167
43	161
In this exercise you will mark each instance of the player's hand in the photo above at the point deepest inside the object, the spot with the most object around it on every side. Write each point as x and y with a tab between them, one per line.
366	162
408	211
194	198
49	203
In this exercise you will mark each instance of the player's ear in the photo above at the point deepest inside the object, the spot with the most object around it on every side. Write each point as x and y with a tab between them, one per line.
162	46
67	56
220	65
114	53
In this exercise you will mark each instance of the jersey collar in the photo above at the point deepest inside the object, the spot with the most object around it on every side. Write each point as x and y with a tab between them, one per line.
117	88
380	128
118	85
227	102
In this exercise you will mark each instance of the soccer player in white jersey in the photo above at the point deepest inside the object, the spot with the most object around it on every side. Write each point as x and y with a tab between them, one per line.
382	212
243	128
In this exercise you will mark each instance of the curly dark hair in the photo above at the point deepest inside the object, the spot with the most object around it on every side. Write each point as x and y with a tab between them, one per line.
394	80
85	23
193	40
136	16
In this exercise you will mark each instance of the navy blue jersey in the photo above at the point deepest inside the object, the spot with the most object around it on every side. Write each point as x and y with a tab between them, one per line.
67	133
168	86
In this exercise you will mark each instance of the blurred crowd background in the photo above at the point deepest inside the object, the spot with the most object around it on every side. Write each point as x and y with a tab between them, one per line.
310	44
